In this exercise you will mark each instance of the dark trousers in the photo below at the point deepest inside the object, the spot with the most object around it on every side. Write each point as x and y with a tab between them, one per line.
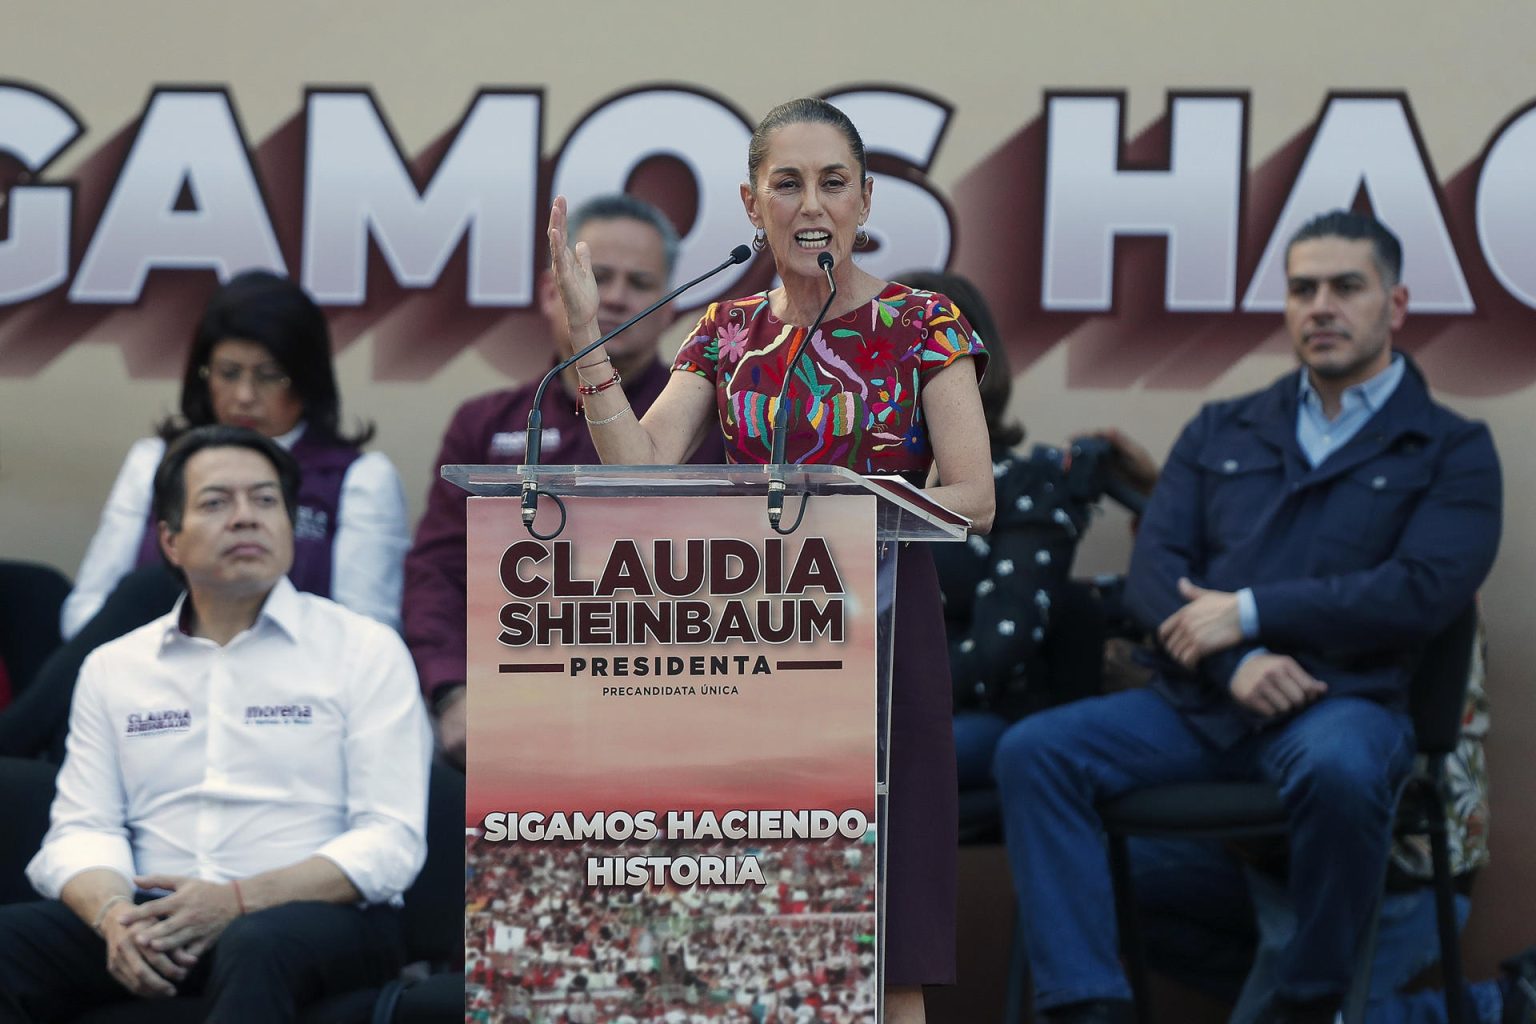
265	967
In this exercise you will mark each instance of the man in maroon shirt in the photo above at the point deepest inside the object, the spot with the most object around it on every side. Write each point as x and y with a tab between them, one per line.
634	248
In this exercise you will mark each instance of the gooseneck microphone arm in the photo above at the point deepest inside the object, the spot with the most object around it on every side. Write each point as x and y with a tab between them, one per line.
781	411
740	254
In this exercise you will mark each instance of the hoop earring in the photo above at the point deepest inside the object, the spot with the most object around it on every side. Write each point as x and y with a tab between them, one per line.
861	238
760	240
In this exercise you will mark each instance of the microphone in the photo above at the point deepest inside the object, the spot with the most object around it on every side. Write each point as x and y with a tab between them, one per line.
781	411
740	254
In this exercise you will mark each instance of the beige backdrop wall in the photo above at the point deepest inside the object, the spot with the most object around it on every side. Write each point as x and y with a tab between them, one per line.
68	416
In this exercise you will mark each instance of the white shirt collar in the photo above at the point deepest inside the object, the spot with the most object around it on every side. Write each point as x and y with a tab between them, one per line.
282	608
291	438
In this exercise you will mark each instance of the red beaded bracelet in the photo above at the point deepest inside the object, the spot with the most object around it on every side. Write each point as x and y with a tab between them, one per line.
592	389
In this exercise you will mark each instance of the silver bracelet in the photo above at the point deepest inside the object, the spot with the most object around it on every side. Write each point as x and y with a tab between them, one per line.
101	915
609	419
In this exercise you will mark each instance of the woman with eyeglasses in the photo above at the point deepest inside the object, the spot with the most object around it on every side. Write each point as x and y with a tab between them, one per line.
261	358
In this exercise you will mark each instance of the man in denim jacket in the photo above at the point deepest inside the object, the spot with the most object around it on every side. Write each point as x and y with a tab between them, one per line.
1302	544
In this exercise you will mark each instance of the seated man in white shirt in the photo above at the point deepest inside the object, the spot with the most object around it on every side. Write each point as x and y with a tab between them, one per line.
257	759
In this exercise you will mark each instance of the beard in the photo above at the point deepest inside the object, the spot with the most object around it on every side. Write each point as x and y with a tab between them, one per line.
1354	354
1357	362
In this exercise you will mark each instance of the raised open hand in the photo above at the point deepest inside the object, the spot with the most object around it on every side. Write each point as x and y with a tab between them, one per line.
573	276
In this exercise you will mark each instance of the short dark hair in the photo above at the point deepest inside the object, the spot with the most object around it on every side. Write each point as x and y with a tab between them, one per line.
275	313
806	110
1386	250
170	492
623	206
997	384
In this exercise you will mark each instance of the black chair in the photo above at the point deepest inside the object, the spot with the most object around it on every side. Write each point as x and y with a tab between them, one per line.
26	793
1244	810
37	721
30	598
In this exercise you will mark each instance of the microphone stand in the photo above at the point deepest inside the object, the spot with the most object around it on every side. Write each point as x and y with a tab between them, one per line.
776	486
530	506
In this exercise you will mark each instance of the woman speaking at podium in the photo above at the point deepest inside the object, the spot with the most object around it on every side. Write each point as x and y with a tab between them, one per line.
887	385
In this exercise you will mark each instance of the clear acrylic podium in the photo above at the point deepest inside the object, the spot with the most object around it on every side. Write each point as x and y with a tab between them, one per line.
901	513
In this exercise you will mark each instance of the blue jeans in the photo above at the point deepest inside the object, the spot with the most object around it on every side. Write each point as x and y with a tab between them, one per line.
976	736
1337	765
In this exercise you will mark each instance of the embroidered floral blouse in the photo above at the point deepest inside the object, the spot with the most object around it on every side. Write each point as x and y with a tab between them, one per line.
856	385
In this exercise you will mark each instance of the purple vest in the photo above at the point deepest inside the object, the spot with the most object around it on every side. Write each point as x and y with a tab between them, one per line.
323	466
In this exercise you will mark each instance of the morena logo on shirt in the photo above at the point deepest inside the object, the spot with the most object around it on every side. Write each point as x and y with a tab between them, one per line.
311	524
515	442
279	714
169	720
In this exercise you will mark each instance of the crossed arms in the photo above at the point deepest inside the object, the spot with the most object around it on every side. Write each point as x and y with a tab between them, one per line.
1440	556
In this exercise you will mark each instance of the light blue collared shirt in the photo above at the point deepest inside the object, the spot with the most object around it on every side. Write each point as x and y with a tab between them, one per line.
1319	437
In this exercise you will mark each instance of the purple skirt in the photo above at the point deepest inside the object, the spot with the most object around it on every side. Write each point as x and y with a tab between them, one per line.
921	865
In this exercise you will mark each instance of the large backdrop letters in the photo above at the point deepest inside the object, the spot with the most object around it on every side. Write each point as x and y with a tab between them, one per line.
1166	242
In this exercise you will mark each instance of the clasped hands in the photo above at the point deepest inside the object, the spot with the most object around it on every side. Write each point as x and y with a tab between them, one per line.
152	946
1267	683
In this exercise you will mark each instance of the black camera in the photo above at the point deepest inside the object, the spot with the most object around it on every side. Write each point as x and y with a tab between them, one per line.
1085	467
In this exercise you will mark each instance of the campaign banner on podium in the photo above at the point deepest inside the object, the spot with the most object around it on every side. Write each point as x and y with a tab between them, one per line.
672	762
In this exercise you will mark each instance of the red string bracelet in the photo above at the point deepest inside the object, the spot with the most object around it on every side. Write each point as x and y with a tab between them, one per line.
593	389
238	898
